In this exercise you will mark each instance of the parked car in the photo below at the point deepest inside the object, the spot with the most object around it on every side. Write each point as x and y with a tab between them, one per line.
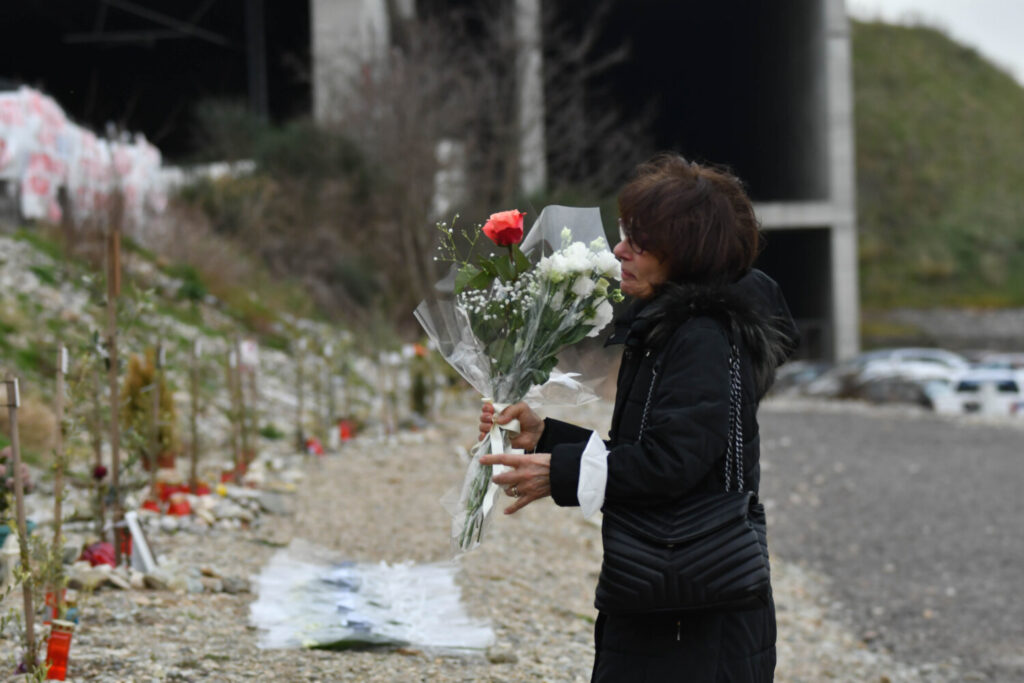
985	391
899	367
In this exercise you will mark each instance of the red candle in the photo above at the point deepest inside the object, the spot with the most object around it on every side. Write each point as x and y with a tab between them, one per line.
57	649
51	604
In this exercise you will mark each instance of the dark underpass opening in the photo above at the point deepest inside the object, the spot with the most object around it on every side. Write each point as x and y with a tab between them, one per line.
728	82
800	260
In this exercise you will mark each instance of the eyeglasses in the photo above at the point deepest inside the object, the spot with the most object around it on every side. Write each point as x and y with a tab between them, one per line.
623	237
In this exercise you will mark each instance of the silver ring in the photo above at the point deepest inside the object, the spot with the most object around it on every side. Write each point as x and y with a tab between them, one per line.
514	491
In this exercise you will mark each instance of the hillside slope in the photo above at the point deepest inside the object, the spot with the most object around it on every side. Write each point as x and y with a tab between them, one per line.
47	299
940	141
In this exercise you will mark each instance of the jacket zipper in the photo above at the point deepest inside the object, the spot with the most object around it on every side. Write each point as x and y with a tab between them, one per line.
679	631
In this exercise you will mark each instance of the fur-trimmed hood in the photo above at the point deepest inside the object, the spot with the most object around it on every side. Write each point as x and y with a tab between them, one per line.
752	310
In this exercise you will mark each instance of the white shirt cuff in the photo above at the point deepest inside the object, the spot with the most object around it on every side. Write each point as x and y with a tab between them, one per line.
593	476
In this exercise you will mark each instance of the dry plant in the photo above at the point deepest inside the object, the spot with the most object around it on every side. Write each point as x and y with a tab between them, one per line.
346	205
589	146
36	425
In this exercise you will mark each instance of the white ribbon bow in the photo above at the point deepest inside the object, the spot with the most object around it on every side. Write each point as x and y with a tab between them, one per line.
498	446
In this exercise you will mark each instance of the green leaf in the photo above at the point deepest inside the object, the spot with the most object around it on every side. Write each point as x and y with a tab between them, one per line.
471	277
465	274
504	268
576	334
522	263
487	265
502	350
481	281
543	372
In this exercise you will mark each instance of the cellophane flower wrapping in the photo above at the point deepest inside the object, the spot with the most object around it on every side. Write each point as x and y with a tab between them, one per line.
501	324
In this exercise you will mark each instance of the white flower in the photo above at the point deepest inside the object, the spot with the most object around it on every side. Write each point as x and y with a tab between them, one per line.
606	264
598	245
554	267
601	288
583	286
602	317
566	236
577	258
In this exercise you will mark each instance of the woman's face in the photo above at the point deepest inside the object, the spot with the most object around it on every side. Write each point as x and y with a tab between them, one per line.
642	271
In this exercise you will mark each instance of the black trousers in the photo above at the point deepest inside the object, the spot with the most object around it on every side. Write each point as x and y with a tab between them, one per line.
705	647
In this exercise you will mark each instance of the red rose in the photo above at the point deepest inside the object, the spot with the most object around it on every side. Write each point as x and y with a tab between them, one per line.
505	228
99	472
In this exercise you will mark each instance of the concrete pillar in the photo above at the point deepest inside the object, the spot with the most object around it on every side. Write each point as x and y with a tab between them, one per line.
533	172
842	185
348	38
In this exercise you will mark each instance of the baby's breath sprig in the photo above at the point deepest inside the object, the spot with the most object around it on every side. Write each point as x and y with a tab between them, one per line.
448	246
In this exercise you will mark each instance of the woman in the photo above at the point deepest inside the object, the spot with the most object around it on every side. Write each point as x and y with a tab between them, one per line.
689	239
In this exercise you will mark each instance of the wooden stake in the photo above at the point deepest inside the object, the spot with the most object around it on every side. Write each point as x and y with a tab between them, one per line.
254	415
243	414
13	402
58	476
193	475
300	433
332	412
154	434
113	291
97	447
236	427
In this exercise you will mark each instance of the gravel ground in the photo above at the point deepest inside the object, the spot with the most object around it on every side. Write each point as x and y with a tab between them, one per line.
916	518
533	578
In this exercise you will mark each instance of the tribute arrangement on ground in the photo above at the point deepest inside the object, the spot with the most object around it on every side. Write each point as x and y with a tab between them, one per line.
502	319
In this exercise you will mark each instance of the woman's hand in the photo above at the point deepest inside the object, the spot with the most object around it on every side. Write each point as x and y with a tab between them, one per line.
527	481
531	426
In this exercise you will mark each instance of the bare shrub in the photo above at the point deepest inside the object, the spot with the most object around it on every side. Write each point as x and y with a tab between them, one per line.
346	205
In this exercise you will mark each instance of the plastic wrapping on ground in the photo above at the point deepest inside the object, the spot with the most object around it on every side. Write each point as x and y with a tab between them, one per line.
309	598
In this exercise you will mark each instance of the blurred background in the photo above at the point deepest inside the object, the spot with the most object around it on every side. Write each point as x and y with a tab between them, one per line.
881	155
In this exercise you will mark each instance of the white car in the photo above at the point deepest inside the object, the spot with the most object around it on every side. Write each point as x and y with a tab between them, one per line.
984	391
918	365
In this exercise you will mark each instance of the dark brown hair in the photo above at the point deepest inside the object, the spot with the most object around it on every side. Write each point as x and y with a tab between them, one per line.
696	218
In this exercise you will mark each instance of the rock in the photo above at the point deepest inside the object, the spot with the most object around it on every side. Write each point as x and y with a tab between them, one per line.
179	583
232	511
501	655
204	520
274	503
194	585
211	584
169	523
137	579
119	579
240	493
157	580
72	551
235	586
83	577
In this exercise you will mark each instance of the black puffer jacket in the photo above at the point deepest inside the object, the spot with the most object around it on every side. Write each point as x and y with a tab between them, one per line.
677	348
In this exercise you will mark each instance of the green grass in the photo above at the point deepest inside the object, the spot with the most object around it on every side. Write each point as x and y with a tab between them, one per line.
132	247
41	242
45	274
939	144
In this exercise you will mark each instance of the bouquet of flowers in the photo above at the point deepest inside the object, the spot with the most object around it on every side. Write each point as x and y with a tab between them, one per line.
502	320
